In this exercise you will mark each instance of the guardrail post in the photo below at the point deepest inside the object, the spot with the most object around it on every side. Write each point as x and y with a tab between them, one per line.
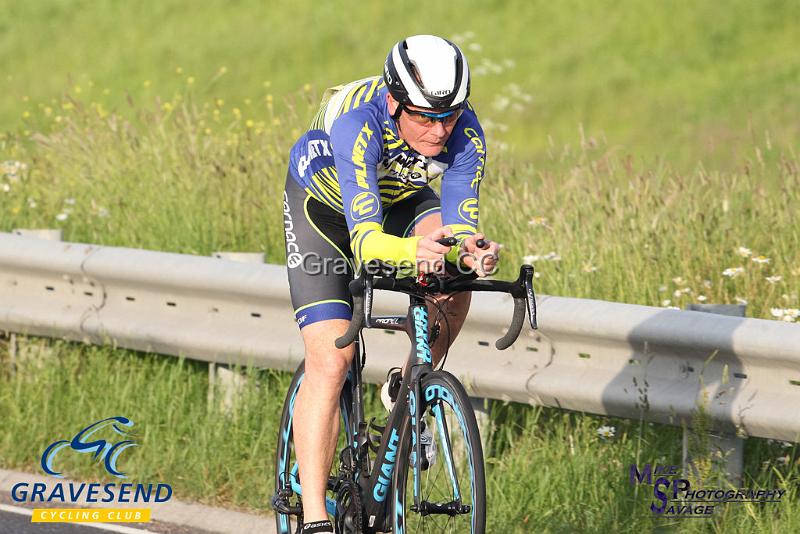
220	376
482	408
49	234
723	445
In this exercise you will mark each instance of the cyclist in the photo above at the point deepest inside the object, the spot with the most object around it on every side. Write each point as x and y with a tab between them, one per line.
357	189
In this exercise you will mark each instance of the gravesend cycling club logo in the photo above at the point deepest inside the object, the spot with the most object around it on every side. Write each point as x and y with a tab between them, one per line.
105	441
676	498
103	450
364	206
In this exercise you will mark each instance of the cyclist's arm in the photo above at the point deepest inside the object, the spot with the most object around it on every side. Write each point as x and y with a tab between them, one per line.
461	181
357	140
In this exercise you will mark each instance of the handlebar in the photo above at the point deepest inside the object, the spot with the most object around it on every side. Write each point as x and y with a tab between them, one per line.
520	289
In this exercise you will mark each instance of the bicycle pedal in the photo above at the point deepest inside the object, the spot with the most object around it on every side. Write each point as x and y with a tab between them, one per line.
280	503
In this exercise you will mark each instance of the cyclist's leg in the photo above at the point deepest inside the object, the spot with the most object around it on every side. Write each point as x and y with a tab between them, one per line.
319	272
420	214
456	306
316	419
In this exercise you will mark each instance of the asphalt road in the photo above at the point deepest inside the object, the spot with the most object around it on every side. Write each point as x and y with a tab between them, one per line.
13	523
19	522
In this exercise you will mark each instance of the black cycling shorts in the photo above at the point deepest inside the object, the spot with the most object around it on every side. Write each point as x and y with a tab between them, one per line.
318	256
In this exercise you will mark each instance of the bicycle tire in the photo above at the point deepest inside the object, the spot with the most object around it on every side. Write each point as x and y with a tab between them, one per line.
285	461
462	453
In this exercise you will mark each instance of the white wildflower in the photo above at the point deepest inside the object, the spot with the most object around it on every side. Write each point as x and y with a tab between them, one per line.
733	272
782	460
69	201
666	302
740	300
6	188
606	431
31	203
62	217
589	268
686	290
761	260
501	102
707	284
677	293
103	212
773	279
702	298
550	256
678	281
661	289
744	252
538	221
777	312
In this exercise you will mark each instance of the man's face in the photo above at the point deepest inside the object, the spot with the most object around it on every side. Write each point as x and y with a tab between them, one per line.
427	139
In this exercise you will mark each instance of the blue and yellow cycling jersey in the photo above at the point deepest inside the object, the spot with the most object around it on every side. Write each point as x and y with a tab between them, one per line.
353	160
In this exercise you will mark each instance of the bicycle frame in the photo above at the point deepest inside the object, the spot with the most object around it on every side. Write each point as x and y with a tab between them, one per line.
377	488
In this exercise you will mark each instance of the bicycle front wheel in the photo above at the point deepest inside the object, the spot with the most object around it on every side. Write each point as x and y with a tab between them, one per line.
446	492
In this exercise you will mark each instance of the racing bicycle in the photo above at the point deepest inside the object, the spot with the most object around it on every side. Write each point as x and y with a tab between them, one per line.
379	485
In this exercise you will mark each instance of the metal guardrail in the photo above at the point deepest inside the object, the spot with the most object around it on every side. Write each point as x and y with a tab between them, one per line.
592	356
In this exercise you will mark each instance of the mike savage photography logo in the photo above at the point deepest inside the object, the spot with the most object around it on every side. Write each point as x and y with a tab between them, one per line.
675	497
105	441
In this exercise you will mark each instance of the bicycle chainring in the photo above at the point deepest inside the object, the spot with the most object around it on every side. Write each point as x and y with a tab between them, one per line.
349	516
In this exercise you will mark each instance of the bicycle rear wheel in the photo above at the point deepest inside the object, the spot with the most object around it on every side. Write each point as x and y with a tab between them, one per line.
288	490
448	494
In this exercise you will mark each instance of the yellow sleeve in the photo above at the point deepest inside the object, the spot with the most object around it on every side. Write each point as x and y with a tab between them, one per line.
369	242
461	232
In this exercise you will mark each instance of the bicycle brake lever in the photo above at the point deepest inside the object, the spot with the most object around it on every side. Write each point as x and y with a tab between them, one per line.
530	296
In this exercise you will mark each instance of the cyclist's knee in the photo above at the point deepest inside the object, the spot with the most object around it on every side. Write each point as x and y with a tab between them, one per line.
324	362
457	305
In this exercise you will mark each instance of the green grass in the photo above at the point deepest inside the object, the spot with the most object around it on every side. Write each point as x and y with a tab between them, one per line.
547	470
687	81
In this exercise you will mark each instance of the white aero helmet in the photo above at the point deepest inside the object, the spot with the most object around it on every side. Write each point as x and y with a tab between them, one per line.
428	72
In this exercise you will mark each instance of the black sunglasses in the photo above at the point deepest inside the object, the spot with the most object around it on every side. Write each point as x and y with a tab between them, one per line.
428	117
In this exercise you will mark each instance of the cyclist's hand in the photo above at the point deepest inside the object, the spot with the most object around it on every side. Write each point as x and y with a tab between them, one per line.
481	260
430	254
